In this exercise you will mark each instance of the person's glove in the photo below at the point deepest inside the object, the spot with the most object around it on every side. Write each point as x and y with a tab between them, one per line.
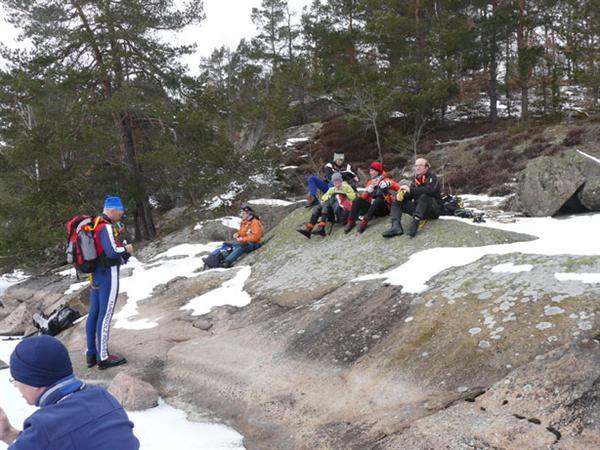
384	184
125	257
370	189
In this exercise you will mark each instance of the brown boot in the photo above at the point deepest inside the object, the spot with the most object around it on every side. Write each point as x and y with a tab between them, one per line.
349	225
306	229
362	226
320	228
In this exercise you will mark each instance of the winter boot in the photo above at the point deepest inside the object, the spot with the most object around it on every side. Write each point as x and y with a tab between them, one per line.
111	361
312	201
414	226
349	226
362	226
395	230
320	229
90	360
305	230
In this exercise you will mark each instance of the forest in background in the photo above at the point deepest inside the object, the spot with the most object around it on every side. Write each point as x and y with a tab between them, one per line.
100	104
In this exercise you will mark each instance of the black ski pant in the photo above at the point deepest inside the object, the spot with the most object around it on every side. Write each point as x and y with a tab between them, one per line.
425	207
377	208
326	211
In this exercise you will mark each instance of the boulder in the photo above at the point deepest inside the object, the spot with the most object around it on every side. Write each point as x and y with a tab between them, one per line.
202	324
546	184
16	322
251	136
589	195
3	365
134	394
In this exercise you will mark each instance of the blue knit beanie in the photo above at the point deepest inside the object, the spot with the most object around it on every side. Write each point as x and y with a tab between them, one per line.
113	202
40	361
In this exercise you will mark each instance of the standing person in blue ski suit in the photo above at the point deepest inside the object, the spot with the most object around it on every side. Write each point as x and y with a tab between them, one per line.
105	284
71	414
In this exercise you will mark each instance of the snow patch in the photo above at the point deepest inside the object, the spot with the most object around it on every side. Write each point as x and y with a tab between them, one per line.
230	293
552	310
10	279
583	277
228	221
270	202
511	268
544	326
555	237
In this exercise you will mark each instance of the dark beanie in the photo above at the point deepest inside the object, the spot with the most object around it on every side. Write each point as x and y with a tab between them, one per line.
40	361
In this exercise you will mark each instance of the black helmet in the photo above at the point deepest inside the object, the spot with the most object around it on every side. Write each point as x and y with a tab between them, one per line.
246	207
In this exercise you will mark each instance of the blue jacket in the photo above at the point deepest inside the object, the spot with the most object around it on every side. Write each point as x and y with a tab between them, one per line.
73	416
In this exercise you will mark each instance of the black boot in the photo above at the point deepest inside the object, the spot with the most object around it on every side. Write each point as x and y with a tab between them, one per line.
311	201
395	230
90	360
349	225
414	226
111	361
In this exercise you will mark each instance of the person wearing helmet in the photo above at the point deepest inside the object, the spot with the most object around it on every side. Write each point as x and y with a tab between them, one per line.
248	238
376	199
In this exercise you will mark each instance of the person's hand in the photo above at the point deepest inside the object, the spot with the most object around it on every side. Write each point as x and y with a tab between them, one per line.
404	188
370	189
129	249
8	433
384	184
239	239
235	235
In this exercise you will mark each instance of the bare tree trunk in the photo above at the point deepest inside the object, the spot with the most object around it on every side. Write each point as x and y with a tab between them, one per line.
523	65
493	87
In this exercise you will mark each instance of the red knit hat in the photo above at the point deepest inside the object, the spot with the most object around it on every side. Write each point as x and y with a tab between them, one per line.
376	165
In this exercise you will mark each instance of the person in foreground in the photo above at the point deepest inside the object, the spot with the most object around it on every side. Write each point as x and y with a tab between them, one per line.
248	238
422	199
71	414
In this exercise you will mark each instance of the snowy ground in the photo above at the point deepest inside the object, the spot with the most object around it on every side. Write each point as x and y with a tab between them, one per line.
184	260
10	279
160	428
573	235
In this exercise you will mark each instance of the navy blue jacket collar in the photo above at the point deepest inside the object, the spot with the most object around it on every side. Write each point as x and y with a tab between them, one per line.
59	390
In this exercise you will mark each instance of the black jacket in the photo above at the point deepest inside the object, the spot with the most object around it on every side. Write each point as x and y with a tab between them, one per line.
428	184
344	169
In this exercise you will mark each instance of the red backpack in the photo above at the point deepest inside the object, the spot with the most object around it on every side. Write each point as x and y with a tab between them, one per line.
81	249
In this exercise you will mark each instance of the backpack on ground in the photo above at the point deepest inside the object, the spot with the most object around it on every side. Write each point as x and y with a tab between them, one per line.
450	204
81	249
60	319
216	258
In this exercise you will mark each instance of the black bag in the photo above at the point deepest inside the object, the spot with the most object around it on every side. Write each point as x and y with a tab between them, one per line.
451	204
216	258
60	319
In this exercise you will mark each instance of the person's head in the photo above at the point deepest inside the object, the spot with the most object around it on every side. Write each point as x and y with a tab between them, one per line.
36	363
113	208
246	211
338	159
421	167
376	169
337	179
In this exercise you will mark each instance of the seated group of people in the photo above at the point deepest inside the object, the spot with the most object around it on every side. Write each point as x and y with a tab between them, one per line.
342	203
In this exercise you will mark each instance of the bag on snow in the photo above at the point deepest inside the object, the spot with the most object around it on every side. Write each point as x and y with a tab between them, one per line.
216	258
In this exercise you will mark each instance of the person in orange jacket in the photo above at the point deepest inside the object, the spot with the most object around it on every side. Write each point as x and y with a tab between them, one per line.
375	200
248	238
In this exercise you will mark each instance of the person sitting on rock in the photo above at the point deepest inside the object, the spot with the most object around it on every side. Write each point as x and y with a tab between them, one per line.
248	238
316	183
335	207
422	199
376	199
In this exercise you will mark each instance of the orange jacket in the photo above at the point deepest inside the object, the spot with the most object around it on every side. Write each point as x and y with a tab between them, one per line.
251	231
376	190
